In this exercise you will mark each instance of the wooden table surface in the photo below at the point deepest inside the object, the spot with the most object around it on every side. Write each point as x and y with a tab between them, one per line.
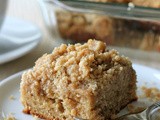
29	10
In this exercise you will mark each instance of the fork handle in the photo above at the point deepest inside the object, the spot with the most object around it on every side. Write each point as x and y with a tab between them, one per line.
152	109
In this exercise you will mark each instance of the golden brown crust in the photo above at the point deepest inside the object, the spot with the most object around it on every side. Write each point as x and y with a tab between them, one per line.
44	117
27	111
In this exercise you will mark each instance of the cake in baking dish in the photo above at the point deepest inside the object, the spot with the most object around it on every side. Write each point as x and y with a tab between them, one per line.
139	34
83	80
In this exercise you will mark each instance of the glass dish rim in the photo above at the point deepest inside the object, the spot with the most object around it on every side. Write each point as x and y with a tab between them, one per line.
110	9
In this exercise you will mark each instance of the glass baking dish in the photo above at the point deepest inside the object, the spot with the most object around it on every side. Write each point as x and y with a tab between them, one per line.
132	28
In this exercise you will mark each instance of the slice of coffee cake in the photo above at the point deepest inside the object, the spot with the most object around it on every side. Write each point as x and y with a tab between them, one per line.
86	81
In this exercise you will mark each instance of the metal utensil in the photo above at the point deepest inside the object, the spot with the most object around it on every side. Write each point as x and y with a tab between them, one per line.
145	114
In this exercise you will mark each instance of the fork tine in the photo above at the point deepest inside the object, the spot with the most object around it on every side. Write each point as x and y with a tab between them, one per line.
3	114
152	109
76	118
157	104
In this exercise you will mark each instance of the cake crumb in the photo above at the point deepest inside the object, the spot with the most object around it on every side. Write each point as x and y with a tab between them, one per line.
10	117
152	93
130	108
134	109
36	118
12	97
114	116
139	109
73	112
131	5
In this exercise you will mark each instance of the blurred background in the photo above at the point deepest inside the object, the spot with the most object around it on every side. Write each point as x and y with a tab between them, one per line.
29	10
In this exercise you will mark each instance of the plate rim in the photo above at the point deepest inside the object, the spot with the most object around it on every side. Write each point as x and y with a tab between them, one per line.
10	56
13	76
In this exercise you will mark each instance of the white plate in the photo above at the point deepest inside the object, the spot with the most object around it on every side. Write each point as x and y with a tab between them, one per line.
17	38
10	86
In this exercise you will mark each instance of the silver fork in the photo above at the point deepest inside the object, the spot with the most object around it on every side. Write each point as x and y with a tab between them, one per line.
2	116
145	114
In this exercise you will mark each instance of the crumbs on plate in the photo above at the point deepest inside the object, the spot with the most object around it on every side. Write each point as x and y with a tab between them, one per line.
10	117
152	93
134	109
11	97
36	118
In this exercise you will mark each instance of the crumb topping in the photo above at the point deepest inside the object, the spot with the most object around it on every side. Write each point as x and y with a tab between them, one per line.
74	63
